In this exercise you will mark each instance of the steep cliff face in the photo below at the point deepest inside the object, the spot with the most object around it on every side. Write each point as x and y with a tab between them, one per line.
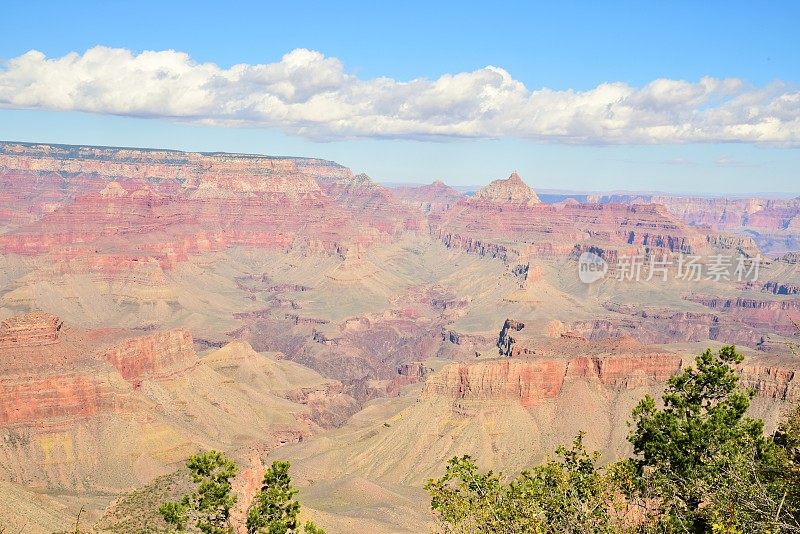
407	374
107	410
362	198
32	330
506	220
35	399
772	380
532	381
779	316
48	375
773	221
157	355
91	167
680	327
764	215
80	201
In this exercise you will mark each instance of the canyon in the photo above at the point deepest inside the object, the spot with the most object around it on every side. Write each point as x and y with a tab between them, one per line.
154	303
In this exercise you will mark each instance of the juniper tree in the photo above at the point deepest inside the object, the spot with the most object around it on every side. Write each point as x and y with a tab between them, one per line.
685	448
206	509
274	509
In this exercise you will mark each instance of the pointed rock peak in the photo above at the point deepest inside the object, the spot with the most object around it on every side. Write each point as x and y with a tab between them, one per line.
512	189
363	179
440	187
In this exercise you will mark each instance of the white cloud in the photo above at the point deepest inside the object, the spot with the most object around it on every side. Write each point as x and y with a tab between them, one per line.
311	95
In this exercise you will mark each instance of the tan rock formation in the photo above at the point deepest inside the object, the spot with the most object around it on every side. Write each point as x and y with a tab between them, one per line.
511	190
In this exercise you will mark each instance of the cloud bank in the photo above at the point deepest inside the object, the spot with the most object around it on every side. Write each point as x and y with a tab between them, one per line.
313	96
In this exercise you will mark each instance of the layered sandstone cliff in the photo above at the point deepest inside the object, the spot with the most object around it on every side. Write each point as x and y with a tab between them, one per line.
507	220
109	409
531	381
773	221
31	330
157	355
73	202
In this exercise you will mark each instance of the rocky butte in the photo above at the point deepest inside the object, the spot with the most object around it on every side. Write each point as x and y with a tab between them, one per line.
506	219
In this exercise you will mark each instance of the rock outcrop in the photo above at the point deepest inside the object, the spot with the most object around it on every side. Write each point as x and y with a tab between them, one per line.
157	355
506	220
109	409
435	197
32	330
512	190
532	381
535	379
774	222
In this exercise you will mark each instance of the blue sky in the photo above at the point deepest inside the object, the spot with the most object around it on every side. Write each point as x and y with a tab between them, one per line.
567	47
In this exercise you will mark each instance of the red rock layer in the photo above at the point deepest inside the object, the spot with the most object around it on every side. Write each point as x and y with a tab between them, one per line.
509	229
34	399
532	381
779	316
49	371
775	222
79	202
407	374
364	199
155	355
772	380
32	330
730	214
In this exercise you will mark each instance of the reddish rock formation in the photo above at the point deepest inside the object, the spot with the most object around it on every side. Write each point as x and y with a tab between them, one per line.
35	398
779	316
107	410
532	381
47	371
774	221
74	202
435	197
772	380
156	355
370	202
407	374
512	190
506	221
540	372
32	330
